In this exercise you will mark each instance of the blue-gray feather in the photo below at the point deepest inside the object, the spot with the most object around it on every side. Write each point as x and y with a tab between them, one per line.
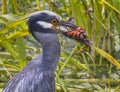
38	75
32	79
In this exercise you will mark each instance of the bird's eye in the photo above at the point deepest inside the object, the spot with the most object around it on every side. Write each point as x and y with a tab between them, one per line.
54	21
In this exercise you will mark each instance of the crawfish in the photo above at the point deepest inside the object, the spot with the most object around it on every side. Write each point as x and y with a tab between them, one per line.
78	33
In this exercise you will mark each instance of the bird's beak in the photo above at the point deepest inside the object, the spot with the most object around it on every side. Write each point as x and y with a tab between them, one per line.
70	30
64	26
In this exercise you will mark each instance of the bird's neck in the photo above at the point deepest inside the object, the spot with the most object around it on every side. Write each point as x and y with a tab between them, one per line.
51	54
50	51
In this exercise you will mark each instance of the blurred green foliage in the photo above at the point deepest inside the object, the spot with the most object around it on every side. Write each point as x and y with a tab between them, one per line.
76	72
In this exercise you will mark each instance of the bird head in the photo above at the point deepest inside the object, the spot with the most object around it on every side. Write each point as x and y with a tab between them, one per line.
42	24
47	22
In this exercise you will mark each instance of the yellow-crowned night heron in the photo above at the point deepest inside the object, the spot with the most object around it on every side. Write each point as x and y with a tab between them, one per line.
38	75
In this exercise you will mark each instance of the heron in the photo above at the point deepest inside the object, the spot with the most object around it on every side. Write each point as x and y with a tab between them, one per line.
38	74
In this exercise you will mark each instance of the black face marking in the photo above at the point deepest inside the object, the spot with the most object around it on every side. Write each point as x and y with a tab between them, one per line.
42	16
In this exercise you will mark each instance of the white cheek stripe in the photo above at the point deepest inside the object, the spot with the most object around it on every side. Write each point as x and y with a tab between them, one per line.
63	29
44	24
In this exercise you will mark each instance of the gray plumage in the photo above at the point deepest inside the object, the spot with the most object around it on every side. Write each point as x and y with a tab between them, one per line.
38	75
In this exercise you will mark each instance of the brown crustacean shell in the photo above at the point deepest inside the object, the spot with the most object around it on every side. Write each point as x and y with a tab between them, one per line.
78	33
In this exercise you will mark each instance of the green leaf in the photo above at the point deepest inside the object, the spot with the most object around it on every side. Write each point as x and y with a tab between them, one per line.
108	57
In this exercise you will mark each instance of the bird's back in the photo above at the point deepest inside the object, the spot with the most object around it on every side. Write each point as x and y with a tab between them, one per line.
32	79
